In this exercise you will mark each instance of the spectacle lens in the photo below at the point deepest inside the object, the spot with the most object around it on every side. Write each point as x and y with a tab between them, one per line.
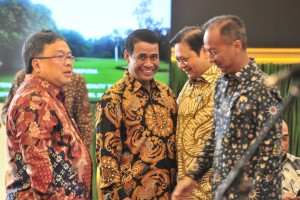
183	60
59	58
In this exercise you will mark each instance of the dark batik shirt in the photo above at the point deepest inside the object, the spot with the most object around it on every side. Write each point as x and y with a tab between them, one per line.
136	140
47	158
242	106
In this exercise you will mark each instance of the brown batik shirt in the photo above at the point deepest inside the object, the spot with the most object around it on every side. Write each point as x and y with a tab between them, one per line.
194	126
136	140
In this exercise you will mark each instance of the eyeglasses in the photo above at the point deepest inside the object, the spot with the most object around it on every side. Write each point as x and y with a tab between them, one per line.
183	60
212	52
59	58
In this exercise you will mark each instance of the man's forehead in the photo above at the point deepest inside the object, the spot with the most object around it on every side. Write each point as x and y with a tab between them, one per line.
147	54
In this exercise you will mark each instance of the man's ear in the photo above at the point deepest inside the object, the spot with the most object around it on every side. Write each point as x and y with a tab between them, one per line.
204	52
238	45
126	56
35	65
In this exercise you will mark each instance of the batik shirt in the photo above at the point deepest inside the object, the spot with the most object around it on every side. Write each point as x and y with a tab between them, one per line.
291	174
76	102
136	140
194	126
242	106
47	158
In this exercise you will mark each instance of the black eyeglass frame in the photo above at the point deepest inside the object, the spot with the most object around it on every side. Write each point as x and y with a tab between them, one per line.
60	58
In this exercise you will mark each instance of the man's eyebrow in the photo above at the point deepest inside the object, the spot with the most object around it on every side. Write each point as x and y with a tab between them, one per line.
63	52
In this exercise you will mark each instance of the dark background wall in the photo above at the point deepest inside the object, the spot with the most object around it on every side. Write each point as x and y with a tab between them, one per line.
269	23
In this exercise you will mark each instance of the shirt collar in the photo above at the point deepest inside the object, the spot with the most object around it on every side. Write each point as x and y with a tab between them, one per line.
246	72
208	76
36	81
136	85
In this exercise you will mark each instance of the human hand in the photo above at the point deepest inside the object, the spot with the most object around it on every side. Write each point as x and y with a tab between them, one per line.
289	196
184	189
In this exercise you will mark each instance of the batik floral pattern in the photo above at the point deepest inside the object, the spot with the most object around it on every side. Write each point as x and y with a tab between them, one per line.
194	126
136	140
242	106
47	158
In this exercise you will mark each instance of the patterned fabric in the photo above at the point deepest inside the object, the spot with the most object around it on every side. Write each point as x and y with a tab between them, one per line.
47	158
76	102
242	106
136	140
194	126
291	174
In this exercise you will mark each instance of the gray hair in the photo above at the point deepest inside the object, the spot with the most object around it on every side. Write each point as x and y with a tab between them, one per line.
35	44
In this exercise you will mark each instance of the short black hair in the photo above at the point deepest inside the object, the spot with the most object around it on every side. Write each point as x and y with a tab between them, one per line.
139	35
191	35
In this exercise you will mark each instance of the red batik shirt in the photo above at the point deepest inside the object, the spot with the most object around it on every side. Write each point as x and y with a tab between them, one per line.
47	158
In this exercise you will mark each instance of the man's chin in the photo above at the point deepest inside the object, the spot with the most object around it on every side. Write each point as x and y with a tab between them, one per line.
191	77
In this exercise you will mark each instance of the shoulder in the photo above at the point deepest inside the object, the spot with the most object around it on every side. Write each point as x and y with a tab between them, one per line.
77	78
293	159
115	92
19	78
257	84
20	74
33	97
185	87
187	84
163	87
118	87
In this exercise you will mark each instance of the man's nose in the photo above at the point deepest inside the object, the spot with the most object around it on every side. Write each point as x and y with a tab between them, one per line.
181	64
211	58
148	62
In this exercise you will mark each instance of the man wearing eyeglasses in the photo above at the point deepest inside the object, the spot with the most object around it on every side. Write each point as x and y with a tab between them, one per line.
242	107
136	120
195	104
76	101
47	157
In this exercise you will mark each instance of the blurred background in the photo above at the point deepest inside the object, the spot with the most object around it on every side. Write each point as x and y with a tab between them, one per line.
96	31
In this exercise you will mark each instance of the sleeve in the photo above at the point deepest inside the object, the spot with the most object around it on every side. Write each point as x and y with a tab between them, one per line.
204	160
19	78
82	112
267	178
109	146
35	121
